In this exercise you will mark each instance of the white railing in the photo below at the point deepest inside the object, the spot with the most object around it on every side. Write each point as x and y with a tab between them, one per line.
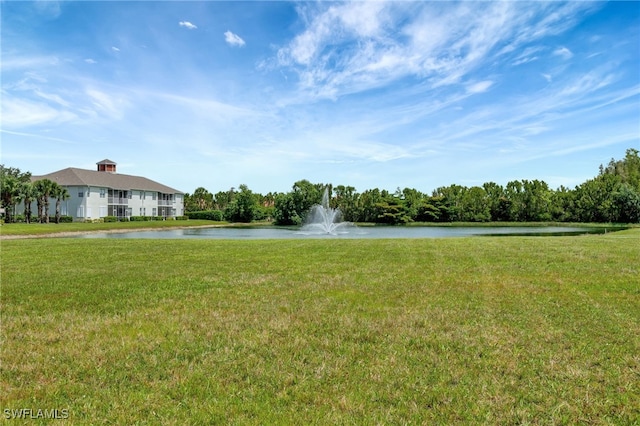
118	200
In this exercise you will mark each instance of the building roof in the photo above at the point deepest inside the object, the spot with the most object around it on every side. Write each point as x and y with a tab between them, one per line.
106	161
81	177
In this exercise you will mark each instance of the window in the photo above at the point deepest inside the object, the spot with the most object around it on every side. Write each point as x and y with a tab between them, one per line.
155	212
80	194
80	211
103	192
153	194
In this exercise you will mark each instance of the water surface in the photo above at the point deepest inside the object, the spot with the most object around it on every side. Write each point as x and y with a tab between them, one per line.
263	233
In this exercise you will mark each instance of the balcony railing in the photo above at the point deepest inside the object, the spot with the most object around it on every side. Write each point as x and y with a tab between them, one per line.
119	200
165	202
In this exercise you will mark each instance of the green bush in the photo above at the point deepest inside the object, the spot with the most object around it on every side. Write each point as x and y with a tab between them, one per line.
66	219
181	218
140	218
216	215
110	219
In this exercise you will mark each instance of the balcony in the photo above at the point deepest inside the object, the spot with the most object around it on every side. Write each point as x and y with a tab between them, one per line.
123	201
165	202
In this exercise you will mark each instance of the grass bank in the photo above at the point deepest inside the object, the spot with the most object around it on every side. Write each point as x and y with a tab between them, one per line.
39	229
463	330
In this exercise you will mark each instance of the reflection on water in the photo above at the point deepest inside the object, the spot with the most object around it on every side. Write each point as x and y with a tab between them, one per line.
264	233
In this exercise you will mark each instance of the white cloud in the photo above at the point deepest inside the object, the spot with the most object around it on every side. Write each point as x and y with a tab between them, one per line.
563	52
91	61
115	49
22	113
187	25
479	87
233	39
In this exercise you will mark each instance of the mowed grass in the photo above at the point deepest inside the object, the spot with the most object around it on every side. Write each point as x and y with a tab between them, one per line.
35	229
507	330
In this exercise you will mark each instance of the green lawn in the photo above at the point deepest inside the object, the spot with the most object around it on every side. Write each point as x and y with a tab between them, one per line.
31	229
506	330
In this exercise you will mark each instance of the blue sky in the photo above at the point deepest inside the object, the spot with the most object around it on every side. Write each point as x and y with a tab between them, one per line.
371	94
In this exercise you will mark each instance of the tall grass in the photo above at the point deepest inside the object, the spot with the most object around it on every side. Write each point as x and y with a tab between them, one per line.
470	330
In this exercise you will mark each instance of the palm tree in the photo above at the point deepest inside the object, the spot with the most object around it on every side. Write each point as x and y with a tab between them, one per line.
44	189
61	193
28	194
10	195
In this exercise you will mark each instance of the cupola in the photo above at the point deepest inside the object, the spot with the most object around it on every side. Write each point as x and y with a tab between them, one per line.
106	166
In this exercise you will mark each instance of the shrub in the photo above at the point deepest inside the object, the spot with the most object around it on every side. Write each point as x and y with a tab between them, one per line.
181	218
110	219
140	218
19	218
216	215
66	219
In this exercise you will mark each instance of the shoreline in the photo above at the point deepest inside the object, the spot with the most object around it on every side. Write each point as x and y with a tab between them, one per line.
63	234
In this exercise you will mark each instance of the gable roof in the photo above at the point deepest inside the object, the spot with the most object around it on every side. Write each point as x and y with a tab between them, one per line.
81	177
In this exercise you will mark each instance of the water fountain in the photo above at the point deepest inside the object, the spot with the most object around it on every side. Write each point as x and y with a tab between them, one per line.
323	219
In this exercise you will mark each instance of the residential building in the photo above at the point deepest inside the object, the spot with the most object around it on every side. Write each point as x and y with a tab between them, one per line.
104	192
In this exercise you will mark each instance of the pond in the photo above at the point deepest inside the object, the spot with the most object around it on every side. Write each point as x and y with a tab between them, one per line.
353	232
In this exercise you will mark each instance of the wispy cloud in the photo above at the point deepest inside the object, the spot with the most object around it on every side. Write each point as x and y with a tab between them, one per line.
187	25
479	87
109	105
529	54
563	52
233	39
442	42
115	49
22	113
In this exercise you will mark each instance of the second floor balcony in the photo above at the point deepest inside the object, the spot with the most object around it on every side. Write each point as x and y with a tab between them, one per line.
122	201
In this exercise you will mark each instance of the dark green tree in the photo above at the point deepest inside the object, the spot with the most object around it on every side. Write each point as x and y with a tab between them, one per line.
474	205
200	200
626	204
243	206
347	200
594	199
11	183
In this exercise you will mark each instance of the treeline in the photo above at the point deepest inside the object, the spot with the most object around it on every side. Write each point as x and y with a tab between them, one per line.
612	196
